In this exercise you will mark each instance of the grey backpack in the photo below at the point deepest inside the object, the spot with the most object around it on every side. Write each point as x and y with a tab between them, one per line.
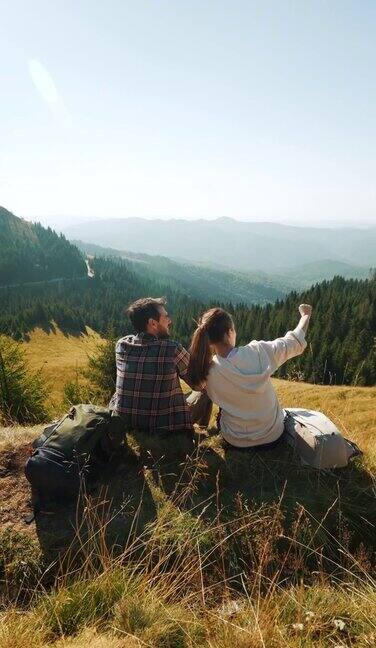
317	440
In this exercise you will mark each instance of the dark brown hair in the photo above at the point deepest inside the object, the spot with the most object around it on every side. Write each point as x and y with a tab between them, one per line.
144	309
212	327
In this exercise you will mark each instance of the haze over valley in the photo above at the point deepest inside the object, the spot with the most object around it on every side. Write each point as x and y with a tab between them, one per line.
245	246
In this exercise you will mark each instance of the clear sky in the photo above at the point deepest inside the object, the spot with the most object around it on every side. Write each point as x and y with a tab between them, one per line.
257	110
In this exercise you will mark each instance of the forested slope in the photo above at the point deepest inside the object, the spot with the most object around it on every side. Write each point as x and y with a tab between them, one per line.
218	281
341	338
30	252
99	302
200	281
342	332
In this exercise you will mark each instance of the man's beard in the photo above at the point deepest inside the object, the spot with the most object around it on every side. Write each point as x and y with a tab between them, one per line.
163	335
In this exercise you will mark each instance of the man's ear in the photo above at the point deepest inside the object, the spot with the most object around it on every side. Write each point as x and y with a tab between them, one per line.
152	323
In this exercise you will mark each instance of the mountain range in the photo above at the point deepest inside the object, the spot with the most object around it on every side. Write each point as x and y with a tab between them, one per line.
30	253
243	246
200	281
221	282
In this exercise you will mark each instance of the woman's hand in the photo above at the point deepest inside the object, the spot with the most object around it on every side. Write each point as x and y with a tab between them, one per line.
305	309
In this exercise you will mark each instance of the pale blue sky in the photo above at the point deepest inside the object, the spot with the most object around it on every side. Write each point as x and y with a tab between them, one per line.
199	108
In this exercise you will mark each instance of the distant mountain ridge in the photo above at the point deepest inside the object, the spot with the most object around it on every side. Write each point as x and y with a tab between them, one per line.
239	245
213	280
306	274
31	253
199	281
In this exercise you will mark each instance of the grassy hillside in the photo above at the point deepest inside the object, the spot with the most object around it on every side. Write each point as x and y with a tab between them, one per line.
353	409
219	550
59	356
186	547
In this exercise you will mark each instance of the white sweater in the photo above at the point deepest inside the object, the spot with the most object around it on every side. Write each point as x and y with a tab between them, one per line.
240	384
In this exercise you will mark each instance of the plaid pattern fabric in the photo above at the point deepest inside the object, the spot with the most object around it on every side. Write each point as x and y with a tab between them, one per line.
148	391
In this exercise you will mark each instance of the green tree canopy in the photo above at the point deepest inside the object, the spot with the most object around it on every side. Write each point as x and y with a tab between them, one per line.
22	393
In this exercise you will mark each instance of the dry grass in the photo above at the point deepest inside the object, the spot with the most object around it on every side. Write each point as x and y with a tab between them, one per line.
15	436
59	356
353	410
162	592
202	564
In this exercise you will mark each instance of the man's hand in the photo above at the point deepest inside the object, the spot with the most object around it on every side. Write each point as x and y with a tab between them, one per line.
305	309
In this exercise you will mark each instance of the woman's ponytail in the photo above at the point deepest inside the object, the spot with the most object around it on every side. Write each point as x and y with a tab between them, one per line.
212	327
201	357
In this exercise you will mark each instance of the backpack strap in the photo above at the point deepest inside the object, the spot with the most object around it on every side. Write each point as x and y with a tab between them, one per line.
357	451
41	440
48	431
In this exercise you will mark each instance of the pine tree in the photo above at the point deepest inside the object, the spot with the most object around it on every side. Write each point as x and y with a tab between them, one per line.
101	370
22	394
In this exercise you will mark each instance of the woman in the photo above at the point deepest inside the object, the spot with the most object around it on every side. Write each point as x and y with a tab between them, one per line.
238	378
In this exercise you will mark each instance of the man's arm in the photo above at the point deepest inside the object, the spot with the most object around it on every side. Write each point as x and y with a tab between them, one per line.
182	358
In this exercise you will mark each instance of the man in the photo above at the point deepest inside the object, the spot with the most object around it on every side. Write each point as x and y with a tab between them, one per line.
149	365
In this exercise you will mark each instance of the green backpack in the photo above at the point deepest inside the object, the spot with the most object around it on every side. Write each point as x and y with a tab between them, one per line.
87	430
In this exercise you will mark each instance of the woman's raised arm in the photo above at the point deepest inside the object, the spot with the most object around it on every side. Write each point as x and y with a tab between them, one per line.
305	311
290	345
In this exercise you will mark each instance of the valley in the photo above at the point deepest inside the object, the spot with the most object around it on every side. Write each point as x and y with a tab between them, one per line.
243	246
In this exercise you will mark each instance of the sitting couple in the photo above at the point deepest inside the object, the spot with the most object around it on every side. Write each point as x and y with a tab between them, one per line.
149	366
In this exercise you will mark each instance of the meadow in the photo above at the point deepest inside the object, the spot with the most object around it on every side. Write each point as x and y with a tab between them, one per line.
59	356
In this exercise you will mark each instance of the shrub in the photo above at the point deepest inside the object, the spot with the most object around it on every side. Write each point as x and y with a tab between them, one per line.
20	565
96	383
22	393
83	603
101	370
77	391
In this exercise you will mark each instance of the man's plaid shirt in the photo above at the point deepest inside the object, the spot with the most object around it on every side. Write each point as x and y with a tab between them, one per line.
148	391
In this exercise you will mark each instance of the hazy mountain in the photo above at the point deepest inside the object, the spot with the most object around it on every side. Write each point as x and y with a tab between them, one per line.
307	274
199	280
219	282
31	253
240	245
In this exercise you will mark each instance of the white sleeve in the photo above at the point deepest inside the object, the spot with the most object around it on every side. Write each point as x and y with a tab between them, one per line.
282	349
